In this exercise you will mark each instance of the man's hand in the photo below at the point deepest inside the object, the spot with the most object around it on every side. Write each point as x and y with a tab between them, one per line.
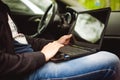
51	49
64	39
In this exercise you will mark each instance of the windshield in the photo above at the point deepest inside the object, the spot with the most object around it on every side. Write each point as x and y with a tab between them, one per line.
43	4
28	6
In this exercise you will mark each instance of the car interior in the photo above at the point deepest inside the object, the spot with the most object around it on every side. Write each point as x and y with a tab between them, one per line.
57	20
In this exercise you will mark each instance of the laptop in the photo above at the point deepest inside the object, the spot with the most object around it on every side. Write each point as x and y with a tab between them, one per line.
88	32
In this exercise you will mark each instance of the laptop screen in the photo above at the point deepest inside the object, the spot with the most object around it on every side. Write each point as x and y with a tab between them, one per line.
89	28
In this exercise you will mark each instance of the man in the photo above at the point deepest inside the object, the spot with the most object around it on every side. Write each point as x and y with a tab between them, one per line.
29	58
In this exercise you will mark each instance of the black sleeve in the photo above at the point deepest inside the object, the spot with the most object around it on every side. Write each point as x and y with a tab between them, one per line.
37	43
25	63
20	64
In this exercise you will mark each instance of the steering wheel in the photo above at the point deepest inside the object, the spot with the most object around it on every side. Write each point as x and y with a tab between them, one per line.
46	19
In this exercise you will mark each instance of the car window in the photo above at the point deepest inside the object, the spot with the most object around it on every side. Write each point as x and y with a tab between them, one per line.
28	6
17	6
43	4
94	4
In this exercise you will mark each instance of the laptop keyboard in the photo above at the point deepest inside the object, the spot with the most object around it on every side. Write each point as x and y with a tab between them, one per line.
69	52
72	50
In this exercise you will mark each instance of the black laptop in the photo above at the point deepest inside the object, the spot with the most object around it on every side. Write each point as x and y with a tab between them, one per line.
88	33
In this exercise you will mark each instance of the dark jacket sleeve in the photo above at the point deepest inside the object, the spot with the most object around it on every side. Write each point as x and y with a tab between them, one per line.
25	63
20	64
37	43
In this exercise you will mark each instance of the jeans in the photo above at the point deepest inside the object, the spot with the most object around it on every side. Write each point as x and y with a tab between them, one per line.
99	66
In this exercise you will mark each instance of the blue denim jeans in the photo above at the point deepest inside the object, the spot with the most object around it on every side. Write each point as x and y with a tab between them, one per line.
99	66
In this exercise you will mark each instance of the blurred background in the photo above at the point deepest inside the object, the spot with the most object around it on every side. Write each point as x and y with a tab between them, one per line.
95	4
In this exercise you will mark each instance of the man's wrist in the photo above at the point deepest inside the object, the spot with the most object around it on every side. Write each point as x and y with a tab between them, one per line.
46	58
